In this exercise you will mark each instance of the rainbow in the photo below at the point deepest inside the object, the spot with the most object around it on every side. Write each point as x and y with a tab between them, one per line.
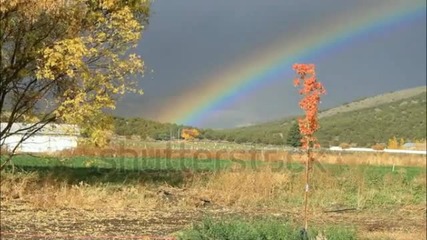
258	68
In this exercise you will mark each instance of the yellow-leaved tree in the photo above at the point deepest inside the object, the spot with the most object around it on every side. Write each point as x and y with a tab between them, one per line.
67	61
189	133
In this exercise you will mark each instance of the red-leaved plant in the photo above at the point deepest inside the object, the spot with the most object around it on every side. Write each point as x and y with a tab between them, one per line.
311	90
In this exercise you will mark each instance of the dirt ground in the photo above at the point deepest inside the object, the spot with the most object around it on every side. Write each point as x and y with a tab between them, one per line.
21	221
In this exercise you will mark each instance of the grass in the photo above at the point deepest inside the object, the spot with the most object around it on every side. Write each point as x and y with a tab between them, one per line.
248	155
142	165
122	163
151	185
262	229
229	183
197	144
353	187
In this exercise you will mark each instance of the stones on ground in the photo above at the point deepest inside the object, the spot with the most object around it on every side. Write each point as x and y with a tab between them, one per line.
203	202
166	195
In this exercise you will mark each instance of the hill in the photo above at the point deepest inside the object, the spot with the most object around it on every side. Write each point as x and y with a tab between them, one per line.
375	101
364	122
146	129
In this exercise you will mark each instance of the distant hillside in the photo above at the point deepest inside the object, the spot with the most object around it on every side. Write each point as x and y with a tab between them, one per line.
144	128
374	101
364	122
404	118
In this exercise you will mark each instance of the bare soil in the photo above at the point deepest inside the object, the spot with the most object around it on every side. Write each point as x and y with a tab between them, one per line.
20	220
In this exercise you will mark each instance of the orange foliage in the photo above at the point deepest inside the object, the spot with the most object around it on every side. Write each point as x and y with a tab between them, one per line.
189	133
393	143
311	90
378	146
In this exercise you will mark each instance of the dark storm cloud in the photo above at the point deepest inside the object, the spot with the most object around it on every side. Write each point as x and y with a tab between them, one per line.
190	39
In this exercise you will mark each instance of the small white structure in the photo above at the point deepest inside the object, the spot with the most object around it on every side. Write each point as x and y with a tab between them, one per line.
51	138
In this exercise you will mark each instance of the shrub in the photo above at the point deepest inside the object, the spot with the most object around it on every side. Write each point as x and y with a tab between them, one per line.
378	146
393	143
345	145
261	228
294	136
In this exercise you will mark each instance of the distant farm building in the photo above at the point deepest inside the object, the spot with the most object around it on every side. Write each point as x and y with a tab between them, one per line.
51	138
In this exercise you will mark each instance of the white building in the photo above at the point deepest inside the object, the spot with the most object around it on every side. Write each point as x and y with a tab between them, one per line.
51	138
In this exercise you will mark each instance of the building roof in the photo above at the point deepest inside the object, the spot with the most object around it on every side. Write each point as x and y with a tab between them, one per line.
49	129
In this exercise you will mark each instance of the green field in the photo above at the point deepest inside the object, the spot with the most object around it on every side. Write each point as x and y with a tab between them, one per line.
148	164
82	166
122	163
171	189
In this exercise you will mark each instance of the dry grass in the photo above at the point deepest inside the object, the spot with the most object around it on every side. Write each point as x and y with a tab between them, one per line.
4	151
261	191
264	187
267	188
48	192
375	159
395	235
237	187
421	145
244	188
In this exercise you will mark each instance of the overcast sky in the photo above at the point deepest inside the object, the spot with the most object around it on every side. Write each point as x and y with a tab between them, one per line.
188	40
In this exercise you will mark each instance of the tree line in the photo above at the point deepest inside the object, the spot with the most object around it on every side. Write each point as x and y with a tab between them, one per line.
404	119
